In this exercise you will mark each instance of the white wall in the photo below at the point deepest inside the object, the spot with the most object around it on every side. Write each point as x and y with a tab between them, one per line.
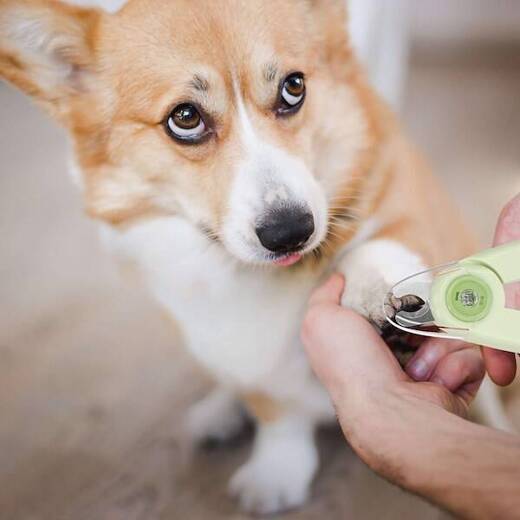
380	33
438	22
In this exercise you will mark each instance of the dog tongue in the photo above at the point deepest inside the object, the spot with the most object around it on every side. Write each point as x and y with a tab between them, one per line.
286	261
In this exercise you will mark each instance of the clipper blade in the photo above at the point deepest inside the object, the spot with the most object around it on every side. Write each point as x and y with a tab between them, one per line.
409	307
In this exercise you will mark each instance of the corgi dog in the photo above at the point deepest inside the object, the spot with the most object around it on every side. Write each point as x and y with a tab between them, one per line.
235	154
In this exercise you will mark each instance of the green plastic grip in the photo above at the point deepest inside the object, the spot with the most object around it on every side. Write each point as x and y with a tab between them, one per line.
469	298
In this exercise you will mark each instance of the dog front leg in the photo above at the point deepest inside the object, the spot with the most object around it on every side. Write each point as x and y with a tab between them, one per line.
217	418
280	470
370	271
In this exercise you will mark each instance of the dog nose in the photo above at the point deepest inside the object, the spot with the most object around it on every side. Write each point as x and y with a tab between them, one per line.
286	230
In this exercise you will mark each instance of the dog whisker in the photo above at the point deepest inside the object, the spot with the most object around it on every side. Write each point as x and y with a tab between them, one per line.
342	225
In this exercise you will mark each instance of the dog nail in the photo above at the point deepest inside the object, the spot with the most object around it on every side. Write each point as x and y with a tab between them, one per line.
407	303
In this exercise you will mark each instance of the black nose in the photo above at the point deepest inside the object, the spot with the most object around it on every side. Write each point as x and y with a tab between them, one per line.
286	230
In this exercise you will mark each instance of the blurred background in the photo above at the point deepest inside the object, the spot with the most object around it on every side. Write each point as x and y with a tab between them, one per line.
92	381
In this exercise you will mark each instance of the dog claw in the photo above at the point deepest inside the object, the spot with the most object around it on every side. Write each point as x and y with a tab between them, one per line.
407	303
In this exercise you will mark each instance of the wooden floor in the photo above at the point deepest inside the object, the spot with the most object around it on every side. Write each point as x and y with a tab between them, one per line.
93	382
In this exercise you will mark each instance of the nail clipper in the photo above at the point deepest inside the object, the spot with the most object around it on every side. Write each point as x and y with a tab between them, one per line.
464	300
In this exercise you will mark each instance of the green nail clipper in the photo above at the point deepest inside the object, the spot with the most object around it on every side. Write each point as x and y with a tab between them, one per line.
465	300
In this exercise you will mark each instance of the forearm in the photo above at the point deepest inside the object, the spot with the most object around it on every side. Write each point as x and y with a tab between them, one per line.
468	469
484	472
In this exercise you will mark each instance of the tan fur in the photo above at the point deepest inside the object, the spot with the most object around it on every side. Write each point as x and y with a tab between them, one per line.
264	408
417	212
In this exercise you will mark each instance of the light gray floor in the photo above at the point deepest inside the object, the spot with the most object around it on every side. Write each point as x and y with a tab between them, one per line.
92	382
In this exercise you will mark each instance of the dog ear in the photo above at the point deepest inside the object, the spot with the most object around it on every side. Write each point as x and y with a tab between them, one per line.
335	11
46	48
329	4
330	20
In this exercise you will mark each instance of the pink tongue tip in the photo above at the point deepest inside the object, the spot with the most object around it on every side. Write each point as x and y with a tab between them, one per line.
288	260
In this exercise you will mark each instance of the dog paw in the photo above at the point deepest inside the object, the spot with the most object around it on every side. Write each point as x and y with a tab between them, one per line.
216	419
263	489
279	474
367	297
371	271
377	305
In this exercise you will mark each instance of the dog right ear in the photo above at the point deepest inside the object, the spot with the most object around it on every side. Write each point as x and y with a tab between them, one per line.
47	49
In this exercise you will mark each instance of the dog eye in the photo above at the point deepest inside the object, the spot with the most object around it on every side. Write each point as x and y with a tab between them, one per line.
186	124
292	93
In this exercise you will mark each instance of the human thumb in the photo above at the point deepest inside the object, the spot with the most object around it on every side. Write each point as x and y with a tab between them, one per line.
345	351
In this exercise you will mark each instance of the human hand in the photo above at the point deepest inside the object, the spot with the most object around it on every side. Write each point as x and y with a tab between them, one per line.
501	366
371	392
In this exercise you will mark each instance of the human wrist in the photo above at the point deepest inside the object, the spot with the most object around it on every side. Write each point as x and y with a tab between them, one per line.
378	427
432	452
397	433
414	435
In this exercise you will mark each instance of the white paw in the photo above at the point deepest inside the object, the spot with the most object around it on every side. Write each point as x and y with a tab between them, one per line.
216	418
370	271
277	477
366	297
266	491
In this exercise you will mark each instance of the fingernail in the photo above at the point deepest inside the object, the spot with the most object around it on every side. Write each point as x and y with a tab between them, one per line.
418	369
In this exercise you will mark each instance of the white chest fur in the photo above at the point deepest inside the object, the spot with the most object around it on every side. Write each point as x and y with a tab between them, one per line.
241	323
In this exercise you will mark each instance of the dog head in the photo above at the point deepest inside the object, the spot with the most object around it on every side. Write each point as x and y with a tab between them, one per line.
249	119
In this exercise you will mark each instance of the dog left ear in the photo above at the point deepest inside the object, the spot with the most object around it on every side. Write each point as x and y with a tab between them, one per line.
330	20
331	9
46	48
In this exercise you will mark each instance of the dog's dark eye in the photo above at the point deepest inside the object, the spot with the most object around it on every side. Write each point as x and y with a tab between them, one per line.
186	124
292	94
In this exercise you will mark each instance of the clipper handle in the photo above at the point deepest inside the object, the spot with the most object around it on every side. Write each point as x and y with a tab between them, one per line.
501	331
503	260
471	300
